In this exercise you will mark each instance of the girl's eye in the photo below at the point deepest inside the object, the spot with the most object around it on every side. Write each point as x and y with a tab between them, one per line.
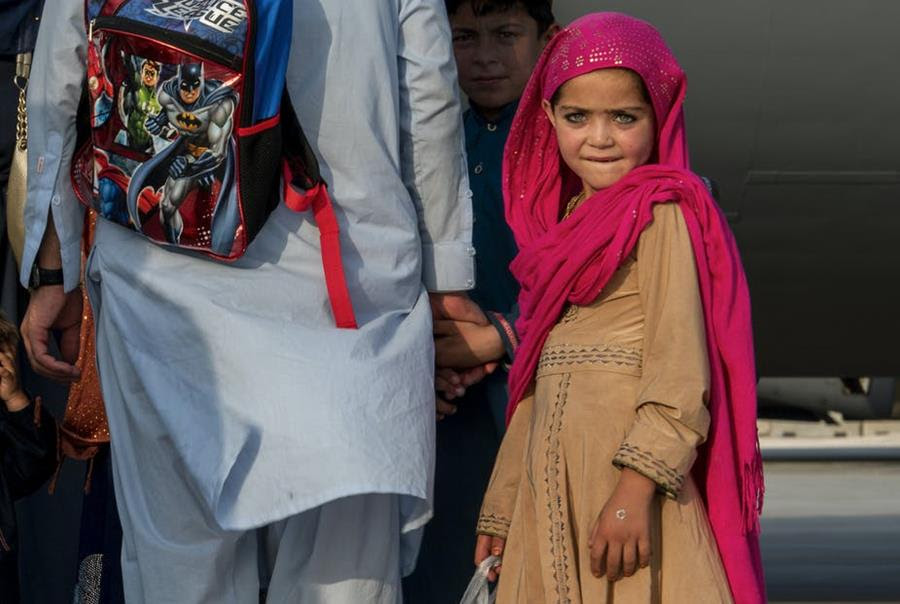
624	118
575	117
462	38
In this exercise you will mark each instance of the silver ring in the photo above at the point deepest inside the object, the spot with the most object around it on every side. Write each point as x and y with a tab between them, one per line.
621	514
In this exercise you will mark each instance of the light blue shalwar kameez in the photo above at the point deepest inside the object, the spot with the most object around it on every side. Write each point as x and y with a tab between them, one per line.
233	400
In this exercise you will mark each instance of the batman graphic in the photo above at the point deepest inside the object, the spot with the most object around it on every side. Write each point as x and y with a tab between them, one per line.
201	114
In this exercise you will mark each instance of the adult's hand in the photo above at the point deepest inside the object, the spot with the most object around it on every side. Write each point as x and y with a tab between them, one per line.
50	308
457	306
452	384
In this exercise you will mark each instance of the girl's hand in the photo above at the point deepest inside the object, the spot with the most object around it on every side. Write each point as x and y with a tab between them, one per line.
462	344
620	538
485	546
10	392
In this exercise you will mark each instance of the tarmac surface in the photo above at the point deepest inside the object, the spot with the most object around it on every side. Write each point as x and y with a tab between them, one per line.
831	531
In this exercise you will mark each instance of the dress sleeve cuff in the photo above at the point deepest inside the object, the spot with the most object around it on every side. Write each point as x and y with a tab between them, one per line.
495	525
507	332
667	479
448	266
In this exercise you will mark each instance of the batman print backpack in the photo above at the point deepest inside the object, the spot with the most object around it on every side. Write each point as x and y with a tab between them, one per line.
193	139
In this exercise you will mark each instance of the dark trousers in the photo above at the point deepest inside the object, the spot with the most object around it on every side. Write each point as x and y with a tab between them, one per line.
100	542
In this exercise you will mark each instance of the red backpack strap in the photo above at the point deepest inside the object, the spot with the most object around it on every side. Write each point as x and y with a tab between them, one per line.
304	189
318	200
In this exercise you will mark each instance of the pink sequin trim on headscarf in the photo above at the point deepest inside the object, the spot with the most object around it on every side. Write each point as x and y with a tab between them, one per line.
570	261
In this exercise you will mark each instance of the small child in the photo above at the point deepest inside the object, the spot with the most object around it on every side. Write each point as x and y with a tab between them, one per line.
27	454
630	470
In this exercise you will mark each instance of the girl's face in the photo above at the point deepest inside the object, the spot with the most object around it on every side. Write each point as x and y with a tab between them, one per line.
604	126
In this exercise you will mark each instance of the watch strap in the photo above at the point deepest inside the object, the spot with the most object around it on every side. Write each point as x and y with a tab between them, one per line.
45	276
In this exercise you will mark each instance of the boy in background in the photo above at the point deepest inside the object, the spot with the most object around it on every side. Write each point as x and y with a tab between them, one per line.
497	44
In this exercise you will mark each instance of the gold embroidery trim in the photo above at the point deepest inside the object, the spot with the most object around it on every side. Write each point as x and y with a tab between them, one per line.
558	550
568	354
493	525
667	478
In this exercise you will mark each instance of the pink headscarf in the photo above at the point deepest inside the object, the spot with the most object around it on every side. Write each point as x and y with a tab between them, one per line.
570	261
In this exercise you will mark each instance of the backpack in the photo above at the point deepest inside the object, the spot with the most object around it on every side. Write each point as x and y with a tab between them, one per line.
193	138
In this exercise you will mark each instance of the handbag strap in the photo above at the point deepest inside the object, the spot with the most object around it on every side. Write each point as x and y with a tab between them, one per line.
23	71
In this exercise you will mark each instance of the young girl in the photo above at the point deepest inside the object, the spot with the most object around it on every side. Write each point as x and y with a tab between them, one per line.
630	471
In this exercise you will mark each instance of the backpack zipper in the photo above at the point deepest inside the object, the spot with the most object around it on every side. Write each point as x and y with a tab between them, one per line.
173	39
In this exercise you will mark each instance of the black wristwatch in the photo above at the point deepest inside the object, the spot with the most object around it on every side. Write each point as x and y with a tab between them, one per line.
44	276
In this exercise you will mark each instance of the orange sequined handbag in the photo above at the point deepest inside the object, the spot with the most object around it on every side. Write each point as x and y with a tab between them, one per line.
84	428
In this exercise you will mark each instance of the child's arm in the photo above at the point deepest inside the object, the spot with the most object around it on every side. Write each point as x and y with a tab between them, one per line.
671	417
500	499
27	434
461	344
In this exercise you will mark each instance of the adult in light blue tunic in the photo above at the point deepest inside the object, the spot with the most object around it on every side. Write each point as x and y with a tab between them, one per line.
233	401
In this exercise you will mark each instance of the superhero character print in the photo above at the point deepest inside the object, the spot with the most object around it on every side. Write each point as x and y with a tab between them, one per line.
162	158
193	160
137	100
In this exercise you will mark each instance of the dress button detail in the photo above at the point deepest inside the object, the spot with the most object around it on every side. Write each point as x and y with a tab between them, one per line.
479	168
491	127
56	200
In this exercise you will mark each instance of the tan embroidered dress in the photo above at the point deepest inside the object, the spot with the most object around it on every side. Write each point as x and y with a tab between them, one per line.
621	382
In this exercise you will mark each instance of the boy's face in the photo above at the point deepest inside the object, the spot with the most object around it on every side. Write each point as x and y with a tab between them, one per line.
496	53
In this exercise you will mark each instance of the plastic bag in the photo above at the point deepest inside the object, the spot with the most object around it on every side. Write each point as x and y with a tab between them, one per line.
478	591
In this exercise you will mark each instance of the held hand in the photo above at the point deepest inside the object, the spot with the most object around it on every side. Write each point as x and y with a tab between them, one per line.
485	546
452	384
470	377
449	383
620	538
443	408
462	344
51	308
458	307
